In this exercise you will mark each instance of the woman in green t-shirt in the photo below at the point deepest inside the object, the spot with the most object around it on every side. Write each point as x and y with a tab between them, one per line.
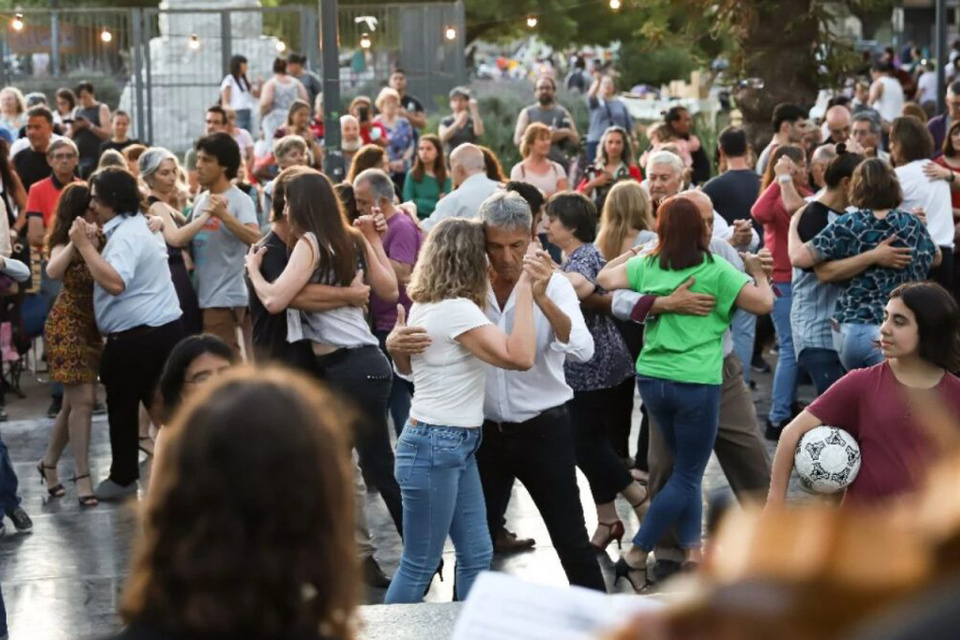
427	182
679	371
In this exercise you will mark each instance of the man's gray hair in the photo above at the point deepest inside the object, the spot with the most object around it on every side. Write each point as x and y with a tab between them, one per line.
151	159
506	210
62	142
381	187
866	117
668	158
824	153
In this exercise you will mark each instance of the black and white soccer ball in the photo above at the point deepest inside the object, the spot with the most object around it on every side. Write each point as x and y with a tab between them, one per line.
827	459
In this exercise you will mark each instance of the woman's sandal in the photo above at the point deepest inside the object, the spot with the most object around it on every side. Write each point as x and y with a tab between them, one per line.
623	570
149	451
56	491
87	500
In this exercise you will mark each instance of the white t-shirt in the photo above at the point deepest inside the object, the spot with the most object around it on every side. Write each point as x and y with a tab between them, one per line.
933	196
927	87
239	99
448	380
891	100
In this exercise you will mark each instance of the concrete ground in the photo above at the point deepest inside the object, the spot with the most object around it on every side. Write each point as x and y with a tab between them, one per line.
63	580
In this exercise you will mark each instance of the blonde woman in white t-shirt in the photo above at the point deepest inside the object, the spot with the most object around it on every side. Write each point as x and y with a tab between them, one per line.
436	454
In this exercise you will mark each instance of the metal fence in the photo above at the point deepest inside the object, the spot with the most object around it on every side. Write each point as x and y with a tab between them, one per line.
164	66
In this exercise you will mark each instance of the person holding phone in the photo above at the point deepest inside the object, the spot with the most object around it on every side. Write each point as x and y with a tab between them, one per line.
465	125
371	132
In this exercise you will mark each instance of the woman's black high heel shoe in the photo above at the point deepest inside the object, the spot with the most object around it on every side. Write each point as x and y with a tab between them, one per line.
87	500
56	491
623	570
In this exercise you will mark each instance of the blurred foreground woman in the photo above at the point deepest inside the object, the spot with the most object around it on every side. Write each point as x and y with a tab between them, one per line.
228	550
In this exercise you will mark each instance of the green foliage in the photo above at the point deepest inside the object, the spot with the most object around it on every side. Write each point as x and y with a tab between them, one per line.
642	65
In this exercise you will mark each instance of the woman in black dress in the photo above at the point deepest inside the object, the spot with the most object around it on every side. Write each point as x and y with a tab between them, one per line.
159	169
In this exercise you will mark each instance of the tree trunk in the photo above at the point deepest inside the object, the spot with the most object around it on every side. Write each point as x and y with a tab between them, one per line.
777	42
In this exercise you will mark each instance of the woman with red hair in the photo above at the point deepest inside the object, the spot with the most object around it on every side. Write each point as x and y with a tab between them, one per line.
679	371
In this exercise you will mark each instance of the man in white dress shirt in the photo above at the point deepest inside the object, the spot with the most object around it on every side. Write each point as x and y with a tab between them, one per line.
472	186
526	431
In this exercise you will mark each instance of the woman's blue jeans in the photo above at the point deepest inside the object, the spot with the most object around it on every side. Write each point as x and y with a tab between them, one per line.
687	415
856	345
785	375
436	467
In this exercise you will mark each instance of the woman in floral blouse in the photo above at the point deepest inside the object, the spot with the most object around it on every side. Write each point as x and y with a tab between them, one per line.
401	137
602	387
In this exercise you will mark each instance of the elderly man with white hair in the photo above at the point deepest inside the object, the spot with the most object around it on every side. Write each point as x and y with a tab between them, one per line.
472	186
739	445
526	431
665	179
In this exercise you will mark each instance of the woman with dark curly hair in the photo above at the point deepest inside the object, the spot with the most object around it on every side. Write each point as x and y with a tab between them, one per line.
284	568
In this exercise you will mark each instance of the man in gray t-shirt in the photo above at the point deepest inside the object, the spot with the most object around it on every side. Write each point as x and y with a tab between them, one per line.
220	244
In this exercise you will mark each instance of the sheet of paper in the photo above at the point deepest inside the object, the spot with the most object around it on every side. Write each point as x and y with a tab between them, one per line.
503	607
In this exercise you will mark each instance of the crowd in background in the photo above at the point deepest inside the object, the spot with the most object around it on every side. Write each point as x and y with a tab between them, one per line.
499	320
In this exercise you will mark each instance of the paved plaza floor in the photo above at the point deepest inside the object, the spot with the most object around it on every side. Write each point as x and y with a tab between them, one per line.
63	580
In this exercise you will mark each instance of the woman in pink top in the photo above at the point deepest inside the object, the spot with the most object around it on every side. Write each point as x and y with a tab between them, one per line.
540	171
883	406
782	191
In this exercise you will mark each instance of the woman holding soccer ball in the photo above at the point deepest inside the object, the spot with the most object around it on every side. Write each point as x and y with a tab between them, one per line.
883	406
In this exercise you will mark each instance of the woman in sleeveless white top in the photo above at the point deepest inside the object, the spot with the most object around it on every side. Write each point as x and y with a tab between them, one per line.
348	357
277	95
890	101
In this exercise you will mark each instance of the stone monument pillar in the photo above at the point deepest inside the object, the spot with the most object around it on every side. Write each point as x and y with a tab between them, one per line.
186	65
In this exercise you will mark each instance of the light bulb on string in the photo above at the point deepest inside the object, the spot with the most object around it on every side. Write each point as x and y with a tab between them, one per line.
17	23
106	36
450	33
532	21
281	46
365	41
193	42
615	5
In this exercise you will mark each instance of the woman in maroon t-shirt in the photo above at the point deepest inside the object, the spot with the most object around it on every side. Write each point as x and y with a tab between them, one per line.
881	406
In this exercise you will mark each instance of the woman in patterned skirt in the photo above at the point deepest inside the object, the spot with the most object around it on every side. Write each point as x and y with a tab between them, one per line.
73	346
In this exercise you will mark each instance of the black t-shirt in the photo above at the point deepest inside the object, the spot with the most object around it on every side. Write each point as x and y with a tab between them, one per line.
119	146
31	166
733	193
813	220
270	330
411	104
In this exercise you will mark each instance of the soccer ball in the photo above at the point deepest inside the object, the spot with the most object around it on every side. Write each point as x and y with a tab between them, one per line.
827	460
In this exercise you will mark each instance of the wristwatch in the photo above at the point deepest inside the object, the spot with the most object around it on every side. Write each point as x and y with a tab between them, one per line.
784	178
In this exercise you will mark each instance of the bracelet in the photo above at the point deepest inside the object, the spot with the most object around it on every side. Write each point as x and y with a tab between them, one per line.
784	178
953	177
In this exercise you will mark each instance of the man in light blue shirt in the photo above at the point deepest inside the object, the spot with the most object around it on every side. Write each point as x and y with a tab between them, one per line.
139	257
137	311
468	171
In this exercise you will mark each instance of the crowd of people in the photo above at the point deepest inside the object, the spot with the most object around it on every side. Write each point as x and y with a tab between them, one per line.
501	321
